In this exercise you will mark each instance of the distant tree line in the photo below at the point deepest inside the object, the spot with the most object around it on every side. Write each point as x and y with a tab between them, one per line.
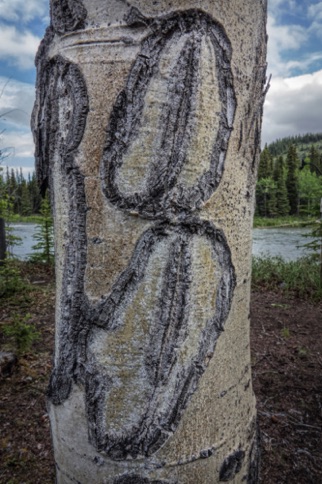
281	146
289	184
20	195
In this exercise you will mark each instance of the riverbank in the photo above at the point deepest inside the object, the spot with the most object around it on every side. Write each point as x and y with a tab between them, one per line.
286	361
28	219
259	222
285	242
288	221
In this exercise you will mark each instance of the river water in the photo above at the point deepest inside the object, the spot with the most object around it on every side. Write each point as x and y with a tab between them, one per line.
284	242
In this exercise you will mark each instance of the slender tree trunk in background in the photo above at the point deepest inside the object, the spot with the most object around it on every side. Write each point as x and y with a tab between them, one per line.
147	127
3	245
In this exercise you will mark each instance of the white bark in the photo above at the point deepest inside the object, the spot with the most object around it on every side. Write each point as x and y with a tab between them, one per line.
147	128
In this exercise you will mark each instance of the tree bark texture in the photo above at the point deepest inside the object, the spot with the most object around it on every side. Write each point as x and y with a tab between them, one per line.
147	129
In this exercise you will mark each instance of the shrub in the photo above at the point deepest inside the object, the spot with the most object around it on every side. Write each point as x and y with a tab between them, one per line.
22	333
301	276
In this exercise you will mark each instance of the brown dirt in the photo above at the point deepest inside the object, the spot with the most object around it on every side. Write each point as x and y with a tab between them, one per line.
287	373
287	362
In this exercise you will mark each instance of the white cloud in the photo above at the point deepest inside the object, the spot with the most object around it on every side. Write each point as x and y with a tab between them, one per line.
293	106
22	10
315	14
18	47
16	100
282	38
276	7
315	11
19	144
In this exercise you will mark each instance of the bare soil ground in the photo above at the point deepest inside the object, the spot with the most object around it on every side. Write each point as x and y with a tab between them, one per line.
286	349
287	371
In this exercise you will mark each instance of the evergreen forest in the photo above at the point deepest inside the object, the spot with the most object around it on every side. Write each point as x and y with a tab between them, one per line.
18	195
290	177
289	182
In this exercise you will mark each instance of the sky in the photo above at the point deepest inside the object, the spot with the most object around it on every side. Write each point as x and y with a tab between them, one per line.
293	104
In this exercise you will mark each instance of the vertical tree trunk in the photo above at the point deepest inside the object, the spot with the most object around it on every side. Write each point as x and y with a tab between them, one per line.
147	127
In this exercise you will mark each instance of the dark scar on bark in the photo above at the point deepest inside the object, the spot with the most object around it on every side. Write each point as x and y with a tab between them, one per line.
169	331
63	82
231	466
67	15
163	195
135	479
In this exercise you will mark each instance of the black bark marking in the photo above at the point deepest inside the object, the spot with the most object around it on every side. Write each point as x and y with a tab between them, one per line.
38	124
63	99
163	196
254	458
169	331
57	80
231	466
135	479
67	15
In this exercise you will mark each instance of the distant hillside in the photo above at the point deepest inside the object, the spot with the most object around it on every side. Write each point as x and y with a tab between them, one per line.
303	144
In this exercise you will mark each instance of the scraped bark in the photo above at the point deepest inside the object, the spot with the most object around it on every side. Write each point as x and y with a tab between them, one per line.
147	128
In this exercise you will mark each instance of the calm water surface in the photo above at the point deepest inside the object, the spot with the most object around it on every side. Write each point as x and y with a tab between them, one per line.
282	242
25	231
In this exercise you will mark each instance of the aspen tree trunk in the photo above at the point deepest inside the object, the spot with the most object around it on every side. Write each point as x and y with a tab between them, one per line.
147	128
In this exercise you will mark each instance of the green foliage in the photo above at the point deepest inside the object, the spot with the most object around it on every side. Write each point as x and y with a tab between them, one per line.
265	169
274	273
315	245
24	195
315	161
21	332
295	190
310	191
285	333
281	196
285	221
281	146
265	197
302	351
292	163
16	218
6	208
11	281
44	235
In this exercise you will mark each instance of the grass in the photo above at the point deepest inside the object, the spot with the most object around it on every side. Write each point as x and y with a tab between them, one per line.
301	277
15	218
287	221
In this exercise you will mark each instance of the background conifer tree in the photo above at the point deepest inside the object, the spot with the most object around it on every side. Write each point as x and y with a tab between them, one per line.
292	163
282	203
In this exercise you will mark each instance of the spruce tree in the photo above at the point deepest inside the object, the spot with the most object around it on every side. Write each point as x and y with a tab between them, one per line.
34	193
25	202
314	157
265	188
292	163
265	197
44	235
282	203
265	168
